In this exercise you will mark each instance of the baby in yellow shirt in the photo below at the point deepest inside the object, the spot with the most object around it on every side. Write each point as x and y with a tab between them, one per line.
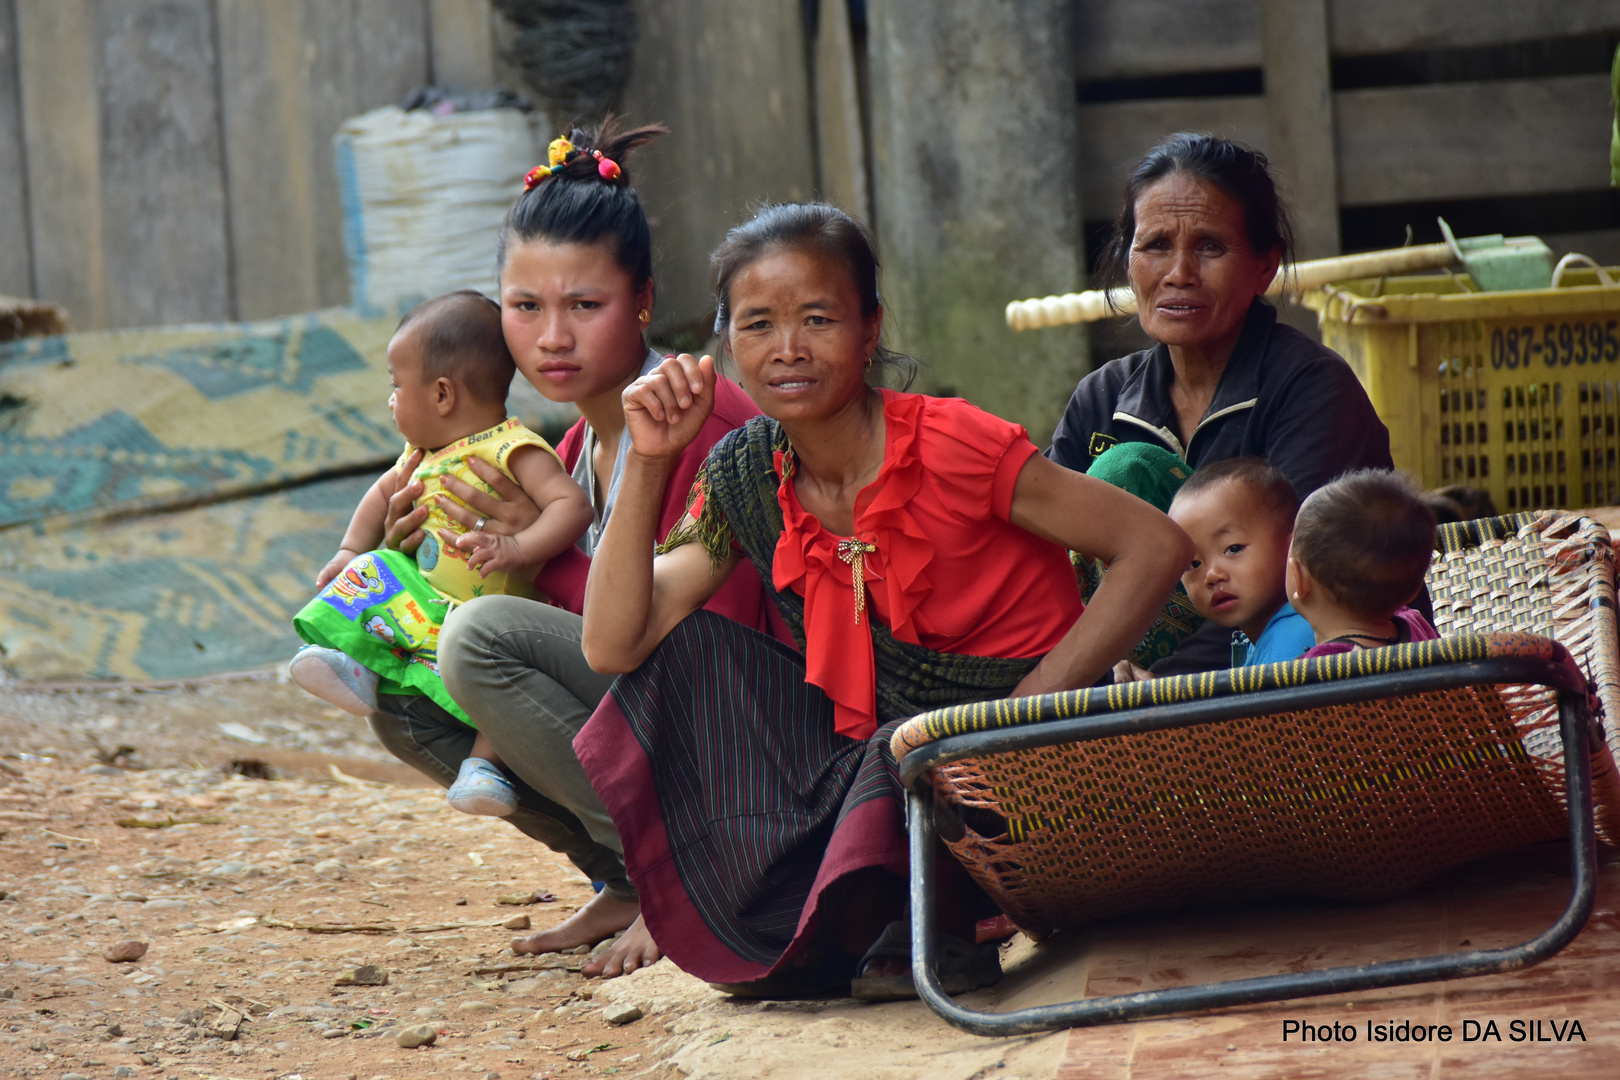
374	624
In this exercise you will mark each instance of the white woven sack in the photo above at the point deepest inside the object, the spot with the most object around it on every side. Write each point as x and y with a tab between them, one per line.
423	199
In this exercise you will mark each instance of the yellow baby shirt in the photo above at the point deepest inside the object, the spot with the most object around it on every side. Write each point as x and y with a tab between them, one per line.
445	567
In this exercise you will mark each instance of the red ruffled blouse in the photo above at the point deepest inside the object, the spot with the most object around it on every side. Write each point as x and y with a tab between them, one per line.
933	555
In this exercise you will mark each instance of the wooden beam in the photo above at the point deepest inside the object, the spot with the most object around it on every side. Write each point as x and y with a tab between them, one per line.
840	142
463	43
1113	138
1360	27
1468	140
973	167
731	79
162	163
272	198
57	64
16	247
291	73
395	50
1299	120
1119	39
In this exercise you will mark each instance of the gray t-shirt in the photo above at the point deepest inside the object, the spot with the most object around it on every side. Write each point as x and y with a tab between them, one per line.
585	475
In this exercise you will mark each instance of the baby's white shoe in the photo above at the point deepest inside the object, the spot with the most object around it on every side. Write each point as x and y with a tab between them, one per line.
335	678
483	789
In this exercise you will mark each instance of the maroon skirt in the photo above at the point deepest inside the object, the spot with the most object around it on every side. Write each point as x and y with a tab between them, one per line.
739	805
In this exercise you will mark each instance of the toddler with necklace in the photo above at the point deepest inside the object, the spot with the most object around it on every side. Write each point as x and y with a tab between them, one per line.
1361	547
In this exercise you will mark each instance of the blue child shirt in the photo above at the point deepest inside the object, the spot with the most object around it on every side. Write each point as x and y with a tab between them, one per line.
1286	637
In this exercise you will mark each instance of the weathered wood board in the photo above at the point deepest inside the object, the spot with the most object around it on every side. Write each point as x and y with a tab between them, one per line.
61	129
731	79
161	163
1299	113
1466	140
16	255
291	73
1114	137
1359	27
1120	39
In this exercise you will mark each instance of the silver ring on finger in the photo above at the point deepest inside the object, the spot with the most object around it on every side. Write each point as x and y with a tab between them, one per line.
478	526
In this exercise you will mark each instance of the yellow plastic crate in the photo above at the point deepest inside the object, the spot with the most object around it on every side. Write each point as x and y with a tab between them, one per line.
1514	392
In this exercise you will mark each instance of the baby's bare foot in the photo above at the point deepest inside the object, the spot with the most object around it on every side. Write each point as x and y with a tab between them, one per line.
596	921
636	949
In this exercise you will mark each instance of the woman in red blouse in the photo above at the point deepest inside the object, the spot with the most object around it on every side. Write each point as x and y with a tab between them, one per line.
918	550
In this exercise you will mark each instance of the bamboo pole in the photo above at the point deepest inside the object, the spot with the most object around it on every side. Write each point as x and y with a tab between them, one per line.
1093	304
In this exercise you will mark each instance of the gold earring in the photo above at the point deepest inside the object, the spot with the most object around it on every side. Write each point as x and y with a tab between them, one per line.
868	363
645	316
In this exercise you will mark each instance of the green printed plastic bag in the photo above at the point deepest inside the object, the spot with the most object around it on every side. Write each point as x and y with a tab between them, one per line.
380	611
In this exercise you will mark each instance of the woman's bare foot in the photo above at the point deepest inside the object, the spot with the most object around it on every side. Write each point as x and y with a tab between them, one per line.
636	949
596	921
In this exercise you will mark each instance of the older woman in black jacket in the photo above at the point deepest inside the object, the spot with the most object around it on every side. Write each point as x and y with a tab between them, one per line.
1200	235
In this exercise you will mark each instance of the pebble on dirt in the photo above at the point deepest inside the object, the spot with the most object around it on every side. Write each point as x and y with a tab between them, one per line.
517	922
622	1013
417	1035
124	952
368	975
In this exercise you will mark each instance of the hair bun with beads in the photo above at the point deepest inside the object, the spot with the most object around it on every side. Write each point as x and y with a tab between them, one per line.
586	155
582	195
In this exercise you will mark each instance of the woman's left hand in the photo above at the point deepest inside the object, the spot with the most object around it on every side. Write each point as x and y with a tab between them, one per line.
504	514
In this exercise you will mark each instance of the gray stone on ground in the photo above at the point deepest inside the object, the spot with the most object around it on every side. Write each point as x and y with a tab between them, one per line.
622	1013
123	1070
417	1035
368	975
124	952
477	1008
517	922
334	1033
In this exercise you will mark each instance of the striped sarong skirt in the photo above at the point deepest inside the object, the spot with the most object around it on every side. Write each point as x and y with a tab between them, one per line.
738	804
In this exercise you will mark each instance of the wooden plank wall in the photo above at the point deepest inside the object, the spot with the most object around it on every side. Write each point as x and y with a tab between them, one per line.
731	79
16	251
1420	143
171	160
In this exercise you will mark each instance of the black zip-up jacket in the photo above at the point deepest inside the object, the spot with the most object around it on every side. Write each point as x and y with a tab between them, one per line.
1282	397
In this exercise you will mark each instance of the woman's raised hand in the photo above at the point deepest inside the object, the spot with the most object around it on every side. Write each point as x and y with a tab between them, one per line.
665	409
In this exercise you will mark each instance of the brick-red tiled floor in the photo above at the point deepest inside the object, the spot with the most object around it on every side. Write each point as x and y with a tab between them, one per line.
1489	905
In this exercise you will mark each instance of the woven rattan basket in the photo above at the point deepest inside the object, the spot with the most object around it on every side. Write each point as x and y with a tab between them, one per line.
1396	791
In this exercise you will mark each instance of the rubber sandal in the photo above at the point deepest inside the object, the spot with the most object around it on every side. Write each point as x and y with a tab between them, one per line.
826	974
962	966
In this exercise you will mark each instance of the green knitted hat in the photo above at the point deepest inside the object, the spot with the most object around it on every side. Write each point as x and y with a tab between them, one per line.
1151	473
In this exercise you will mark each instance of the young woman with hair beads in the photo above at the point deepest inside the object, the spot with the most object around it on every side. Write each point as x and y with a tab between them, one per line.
576	295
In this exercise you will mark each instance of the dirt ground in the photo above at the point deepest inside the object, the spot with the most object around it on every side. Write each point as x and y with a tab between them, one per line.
368	846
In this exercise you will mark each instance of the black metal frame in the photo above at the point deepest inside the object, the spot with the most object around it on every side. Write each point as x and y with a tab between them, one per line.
1573	720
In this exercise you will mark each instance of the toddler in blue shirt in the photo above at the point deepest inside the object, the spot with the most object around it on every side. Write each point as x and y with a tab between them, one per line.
1240	515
